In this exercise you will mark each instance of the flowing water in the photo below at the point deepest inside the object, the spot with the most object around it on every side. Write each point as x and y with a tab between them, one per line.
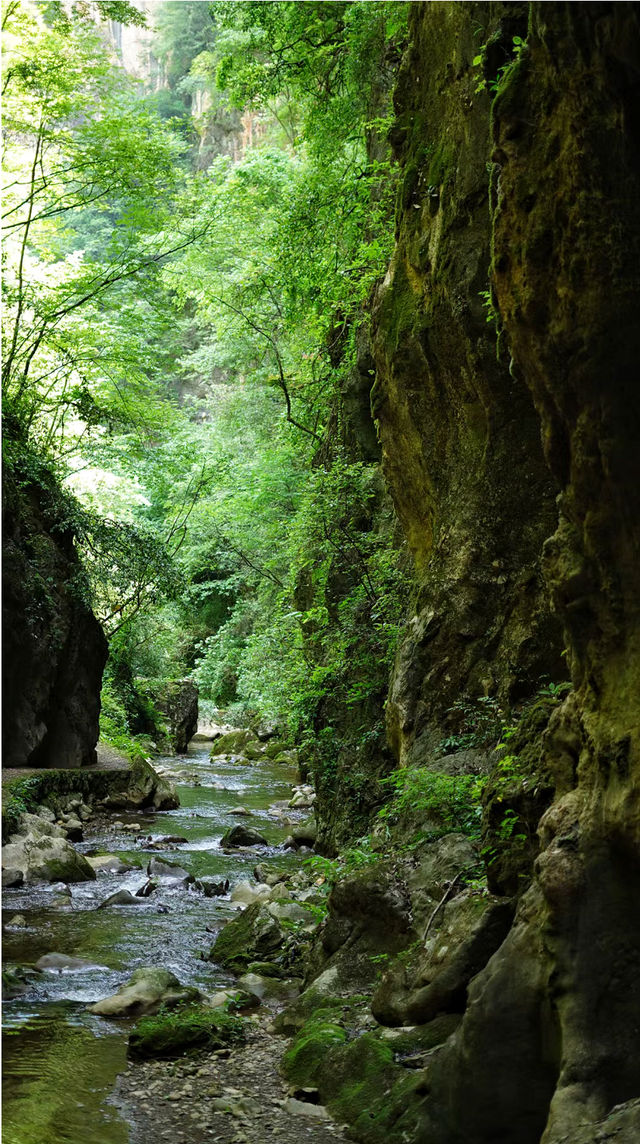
60	1061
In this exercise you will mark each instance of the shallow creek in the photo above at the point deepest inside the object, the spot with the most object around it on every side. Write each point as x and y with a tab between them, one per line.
61	1062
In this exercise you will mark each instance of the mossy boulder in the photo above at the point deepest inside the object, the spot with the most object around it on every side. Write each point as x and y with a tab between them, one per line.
233	743
46	859
186	1029
243	836
146	991
252	936
303	1062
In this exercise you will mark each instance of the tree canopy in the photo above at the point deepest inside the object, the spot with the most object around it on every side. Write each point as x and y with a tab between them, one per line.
181	332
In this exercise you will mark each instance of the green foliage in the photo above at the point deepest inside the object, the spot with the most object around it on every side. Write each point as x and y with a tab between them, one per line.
499	80
18	797
476	723
445	803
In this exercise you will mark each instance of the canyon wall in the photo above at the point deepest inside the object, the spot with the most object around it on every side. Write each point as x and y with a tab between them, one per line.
506	341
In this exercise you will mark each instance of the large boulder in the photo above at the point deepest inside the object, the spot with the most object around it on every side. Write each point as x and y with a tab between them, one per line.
63	962
142	787
177	701
243	836
232	743
46	858
255	935
145	991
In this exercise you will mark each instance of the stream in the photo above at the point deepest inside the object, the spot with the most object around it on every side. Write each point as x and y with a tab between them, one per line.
60	1061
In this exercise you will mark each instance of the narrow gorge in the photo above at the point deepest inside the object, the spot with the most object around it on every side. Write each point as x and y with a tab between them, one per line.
321	507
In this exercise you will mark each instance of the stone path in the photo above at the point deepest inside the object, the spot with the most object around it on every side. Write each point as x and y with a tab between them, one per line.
108	760
232	1096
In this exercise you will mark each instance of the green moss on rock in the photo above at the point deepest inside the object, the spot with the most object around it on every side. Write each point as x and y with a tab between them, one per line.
190	1028
303	1062
252	936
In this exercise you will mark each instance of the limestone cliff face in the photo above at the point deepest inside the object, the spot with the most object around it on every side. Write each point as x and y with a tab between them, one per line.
54	648
532	199
459	431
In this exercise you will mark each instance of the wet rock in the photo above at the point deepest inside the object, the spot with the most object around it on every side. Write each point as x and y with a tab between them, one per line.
109	863
211	888
268	875
120	898
270	987
17	920
177	700
12	877
15	979
252	936
63	961
305	834
241	812
238	999
146	990
164	869
280	893
248	894
243	836
147	889
46	813
46	858
289	912
275	747
73	828
169	840
254	751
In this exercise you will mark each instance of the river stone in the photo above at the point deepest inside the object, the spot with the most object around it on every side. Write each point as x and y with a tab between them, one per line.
243	836
302	1108
252	936
305	834
17	920
146	889
11	878
268	986
62	961
164	869
242	812
211	888
73	828
232	743
289	911
110	863
35	826
46	859
145	991
280	893
46	813
120	898
248	894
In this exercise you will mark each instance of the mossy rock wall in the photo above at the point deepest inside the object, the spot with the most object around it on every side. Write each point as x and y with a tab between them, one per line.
454	423
54	650
525	193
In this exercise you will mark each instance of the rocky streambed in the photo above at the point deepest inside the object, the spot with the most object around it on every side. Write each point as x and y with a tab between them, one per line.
166	883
